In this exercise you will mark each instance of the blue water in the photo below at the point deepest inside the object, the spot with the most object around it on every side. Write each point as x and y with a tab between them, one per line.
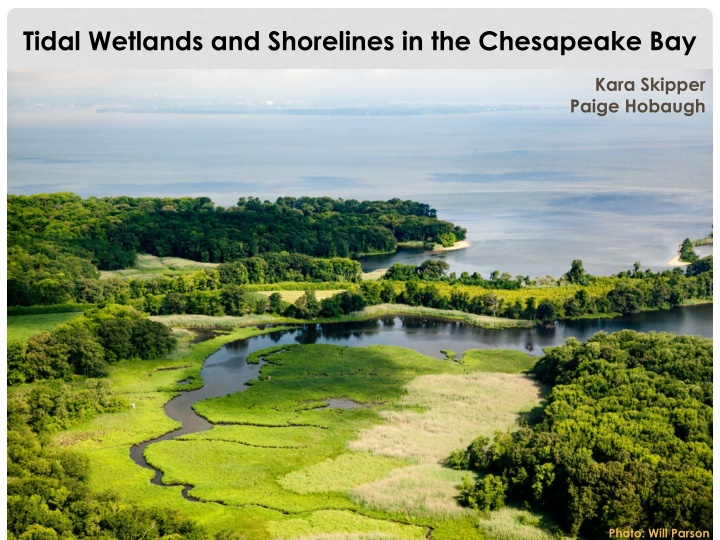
535	189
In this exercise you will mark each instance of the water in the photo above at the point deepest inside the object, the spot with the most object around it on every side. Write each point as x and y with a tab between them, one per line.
535	189
227	371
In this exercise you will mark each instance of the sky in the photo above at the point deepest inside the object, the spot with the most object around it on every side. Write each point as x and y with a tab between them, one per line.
315	88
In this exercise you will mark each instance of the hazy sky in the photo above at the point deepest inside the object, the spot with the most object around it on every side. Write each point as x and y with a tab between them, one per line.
312	87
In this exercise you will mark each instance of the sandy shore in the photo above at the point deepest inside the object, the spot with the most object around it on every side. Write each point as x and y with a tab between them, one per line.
675	261
462	244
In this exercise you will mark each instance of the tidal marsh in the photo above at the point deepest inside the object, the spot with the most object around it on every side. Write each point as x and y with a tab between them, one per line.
282	466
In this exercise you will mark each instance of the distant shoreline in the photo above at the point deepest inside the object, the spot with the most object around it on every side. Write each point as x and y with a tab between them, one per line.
462	244
676	262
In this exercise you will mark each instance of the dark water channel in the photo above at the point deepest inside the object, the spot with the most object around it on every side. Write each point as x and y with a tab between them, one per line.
226	371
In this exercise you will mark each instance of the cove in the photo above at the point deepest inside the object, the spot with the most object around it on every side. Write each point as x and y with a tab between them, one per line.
226	371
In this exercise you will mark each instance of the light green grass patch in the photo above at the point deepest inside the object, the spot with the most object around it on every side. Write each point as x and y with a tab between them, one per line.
133	376
340	474
333	524
237	475
374	275
224	322
458	409
423	491
499	360
21	327
150	266
513	524
277	437
292	296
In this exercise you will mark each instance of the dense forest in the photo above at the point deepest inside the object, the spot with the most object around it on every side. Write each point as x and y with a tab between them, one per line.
58	240
625	439
64	231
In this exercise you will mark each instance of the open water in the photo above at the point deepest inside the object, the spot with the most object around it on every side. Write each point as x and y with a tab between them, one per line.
535	188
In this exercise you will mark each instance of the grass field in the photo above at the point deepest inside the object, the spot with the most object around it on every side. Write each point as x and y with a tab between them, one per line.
149	266
441	413
21	327
374	275
286	467
292	296
499	360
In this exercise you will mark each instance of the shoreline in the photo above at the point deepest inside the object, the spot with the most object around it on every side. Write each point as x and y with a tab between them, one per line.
462	244
676	262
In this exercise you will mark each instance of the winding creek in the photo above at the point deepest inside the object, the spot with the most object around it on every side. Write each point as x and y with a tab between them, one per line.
226	371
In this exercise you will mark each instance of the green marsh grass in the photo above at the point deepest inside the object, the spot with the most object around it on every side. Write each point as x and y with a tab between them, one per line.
281	437
333	524
499	360
286	467
340	474
21	327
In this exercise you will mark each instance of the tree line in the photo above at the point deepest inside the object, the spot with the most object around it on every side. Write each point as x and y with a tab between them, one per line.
625	439
628	292
86	344
227	290
25	289
61	237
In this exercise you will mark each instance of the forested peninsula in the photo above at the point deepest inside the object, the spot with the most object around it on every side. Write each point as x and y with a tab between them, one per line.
114	305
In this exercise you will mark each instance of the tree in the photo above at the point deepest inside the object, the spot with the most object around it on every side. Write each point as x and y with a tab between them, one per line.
307	306
275	303
626	298
46	358
18	370
115	335
576	274
235	273
85	354
387	292
547	311
412	295
687	251
151	339
487	493
432	269
234	300
173	304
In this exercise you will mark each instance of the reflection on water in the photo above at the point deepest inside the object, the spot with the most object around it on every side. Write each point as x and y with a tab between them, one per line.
227	371
429	336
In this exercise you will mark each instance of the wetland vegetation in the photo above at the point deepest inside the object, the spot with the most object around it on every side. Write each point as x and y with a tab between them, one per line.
324	440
